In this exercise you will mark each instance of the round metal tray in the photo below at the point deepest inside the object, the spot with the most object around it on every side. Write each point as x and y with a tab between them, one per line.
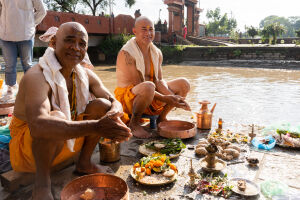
148	152
155	180
177	129
251	188
220	164
106	187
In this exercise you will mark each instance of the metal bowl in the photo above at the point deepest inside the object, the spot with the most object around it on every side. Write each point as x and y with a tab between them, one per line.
176	129
105	186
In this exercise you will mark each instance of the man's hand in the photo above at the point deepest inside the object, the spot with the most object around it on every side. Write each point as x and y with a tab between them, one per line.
177	101
113	128
116	110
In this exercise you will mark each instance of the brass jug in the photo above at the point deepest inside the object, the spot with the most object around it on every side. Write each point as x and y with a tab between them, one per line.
204	117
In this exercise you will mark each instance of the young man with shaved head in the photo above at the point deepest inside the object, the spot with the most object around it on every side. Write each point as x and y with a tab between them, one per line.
54	116
141	88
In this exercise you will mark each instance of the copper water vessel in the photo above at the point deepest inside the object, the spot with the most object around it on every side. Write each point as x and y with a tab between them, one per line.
204	117
109	151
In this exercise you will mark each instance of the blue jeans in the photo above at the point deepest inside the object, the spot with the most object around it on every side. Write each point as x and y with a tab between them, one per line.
10	51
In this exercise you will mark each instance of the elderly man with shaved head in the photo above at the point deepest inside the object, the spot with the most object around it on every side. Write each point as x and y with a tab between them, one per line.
55	116
141	88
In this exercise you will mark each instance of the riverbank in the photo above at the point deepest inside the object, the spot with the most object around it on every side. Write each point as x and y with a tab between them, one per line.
268	64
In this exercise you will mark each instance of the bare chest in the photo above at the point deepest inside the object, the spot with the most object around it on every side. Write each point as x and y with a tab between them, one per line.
147	68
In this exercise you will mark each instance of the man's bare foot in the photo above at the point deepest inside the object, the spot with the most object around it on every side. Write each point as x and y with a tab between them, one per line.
44	193
138	131
92	168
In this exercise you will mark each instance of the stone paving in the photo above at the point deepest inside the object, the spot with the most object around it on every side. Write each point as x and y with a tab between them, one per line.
279	163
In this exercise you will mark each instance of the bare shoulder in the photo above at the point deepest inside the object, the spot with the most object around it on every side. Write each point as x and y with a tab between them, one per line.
35	74
33	90
124	58
34	79
92	76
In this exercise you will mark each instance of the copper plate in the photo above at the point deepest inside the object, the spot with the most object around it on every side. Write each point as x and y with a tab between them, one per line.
176	129
106	187
7	105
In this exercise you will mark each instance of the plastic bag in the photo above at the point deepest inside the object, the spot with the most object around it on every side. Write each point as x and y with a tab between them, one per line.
272	188
271	130
258	143
4	130
4	141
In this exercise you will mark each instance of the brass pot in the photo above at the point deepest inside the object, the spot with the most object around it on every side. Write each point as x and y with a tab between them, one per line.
109	151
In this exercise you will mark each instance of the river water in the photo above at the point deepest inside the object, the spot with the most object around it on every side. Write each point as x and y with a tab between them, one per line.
243	95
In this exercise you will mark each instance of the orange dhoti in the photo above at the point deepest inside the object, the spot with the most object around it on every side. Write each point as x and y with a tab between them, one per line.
20	148
126	98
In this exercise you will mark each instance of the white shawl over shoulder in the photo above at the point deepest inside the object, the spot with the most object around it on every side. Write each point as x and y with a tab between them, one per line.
59	100
133	49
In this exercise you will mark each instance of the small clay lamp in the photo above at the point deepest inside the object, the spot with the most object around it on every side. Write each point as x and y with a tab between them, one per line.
252	134
241	185
253	162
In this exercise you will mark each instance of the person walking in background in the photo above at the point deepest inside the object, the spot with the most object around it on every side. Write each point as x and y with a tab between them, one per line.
184	32
18	19
174	38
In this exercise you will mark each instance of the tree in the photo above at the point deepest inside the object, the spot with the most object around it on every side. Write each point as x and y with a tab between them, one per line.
298	33
252	31
62	5
96	5
219	24
277	30
288	23
273	30
89	6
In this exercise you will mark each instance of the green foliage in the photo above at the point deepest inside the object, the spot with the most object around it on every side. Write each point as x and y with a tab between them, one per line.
211	51
112	45
237	53
172	146
172	54
252	31
62	5
298	33
273	30
219	24
38	51
258	53
235	35
290	24
93	7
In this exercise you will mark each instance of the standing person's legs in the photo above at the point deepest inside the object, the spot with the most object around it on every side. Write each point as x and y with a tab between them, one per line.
25	49
10	53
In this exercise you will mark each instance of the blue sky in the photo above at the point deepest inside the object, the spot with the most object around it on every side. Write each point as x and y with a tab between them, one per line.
248	12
